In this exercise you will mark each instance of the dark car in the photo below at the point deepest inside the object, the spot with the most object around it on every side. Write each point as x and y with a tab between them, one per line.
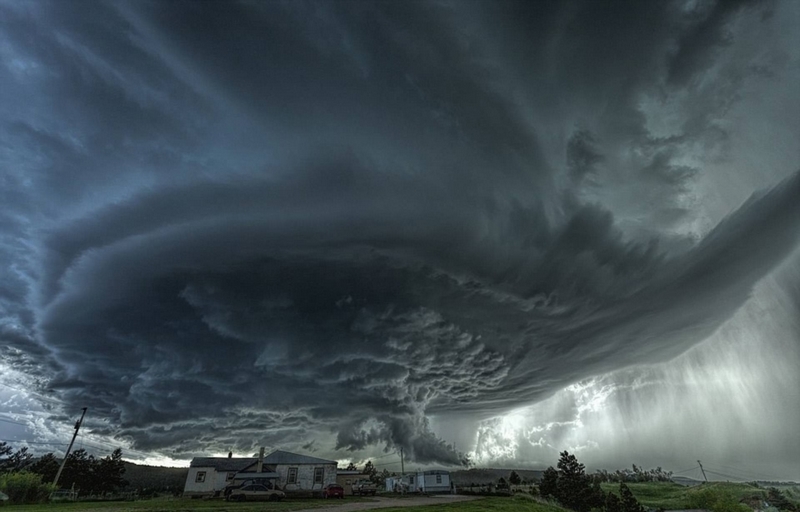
333	491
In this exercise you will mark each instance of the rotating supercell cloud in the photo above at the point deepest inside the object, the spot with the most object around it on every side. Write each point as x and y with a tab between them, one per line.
351	227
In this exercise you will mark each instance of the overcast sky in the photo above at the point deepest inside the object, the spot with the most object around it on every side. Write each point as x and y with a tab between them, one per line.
343	228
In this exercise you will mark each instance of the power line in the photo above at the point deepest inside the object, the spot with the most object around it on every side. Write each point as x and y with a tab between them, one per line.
748	475
723	474
31	442
14	422
685	470
389	463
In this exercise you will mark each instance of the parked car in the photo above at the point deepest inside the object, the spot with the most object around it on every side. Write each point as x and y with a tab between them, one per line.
364	487
333	491
256	492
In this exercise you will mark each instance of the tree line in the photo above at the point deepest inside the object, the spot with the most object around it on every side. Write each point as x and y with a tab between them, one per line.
20	471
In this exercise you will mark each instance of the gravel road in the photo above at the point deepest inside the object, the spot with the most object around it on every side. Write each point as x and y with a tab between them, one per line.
381	502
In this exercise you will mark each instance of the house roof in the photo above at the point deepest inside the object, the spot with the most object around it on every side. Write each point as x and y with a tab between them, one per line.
242	463
223	463
282	457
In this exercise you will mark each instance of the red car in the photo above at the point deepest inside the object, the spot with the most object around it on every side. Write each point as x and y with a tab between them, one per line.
333	491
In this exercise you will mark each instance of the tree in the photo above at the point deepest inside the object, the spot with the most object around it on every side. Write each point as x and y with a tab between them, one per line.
11	460
612	503
369	469
78	471
5	452
108	472
47	467
628	500
351	467
514	478
548	488
573	490
501	483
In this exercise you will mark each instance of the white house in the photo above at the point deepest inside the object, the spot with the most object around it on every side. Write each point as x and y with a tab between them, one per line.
434	481
300	473
291	472
210	475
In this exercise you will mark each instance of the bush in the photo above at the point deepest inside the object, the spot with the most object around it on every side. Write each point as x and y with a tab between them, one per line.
24	487
716	500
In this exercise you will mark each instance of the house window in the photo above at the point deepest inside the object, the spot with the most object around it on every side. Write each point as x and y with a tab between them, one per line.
201	477
411	480
438	479
318	473
292	476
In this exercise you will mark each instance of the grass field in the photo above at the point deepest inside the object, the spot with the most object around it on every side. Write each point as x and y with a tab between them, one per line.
176	505
491	504
664	495
672	496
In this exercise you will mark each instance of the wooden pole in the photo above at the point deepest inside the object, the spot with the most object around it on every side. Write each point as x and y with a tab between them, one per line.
69	448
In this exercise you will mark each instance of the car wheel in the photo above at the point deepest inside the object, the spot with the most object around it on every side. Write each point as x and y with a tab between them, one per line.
274	497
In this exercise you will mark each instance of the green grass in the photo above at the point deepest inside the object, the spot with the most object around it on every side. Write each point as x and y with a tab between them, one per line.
666	495
670	496
512	504
178	505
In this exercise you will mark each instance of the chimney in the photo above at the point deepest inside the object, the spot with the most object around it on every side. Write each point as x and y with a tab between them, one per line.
230	454
260	460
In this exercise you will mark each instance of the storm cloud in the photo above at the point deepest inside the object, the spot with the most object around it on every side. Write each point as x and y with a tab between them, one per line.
319	224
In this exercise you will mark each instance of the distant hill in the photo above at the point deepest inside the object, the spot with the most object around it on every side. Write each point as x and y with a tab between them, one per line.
154	478
483	476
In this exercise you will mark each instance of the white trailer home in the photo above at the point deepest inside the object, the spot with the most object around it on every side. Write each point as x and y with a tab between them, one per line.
427	482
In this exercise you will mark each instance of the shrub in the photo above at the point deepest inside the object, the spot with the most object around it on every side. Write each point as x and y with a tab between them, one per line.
716	500
24	487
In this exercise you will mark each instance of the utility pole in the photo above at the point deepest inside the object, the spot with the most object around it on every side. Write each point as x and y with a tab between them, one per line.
402	473
69	448
703	470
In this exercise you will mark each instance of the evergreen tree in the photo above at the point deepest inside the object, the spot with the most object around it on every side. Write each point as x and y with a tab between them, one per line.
11	460
612	503
501	483
628	500
47	467
369	469
514	478
351	467
108	473
548	487
78	471
573	489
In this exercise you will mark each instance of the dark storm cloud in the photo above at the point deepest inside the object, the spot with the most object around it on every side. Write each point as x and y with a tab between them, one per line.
247	223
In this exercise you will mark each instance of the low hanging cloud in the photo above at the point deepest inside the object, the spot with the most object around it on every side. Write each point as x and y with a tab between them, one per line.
337	220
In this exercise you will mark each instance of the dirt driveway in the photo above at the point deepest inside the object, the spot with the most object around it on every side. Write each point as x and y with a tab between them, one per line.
381	502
